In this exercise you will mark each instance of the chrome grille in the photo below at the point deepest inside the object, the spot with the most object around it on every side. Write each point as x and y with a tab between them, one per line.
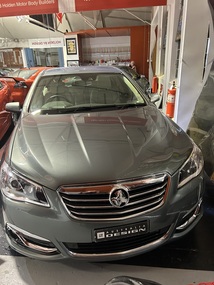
91	202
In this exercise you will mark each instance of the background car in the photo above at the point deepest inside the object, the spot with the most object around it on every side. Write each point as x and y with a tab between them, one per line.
5	117
4	71
21	80
94	171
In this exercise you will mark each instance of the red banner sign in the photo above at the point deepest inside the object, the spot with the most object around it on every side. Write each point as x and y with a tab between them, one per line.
90	5
33	7
28	7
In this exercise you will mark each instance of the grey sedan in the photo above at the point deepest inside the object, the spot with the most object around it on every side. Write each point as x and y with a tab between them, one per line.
94	171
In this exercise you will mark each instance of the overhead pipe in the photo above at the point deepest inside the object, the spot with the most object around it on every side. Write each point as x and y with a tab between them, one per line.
87	21
136	17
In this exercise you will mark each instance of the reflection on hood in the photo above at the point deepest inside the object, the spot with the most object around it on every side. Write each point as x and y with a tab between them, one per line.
101	146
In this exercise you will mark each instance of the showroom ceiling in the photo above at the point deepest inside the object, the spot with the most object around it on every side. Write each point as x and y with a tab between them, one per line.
110	18
19	27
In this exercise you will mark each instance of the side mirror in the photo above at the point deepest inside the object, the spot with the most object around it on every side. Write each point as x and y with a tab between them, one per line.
154	98
20	84
15	109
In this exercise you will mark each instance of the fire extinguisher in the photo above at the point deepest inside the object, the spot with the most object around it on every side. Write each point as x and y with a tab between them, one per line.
155	84
170	104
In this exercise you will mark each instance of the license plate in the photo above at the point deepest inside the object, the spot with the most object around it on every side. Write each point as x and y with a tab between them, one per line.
121	231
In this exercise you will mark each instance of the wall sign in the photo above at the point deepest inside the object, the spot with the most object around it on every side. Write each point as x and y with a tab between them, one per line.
34	7
71	46
87	5
28	7
46	43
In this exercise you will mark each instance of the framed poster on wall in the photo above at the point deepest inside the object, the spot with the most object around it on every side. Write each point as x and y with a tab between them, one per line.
71	46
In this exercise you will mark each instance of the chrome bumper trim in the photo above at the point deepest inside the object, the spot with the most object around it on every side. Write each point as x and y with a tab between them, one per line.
21	239
192	218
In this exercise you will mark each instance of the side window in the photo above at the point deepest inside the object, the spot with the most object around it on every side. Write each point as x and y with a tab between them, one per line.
132	92
39	96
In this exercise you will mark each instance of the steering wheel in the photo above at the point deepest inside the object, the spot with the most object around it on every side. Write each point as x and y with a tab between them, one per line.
57	96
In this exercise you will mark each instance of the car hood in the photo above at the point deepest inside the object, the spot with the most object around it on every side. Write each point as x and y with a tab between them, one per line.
92	147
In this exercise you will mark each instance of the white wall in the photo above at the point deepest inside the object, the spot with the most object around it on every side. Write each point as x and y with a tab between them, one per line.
197	18
159	22
106	48
173	12
166	19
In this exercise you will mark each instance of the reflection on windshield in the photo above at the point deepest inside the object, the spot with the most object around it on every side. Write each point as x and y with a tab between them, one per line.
84	92
23	73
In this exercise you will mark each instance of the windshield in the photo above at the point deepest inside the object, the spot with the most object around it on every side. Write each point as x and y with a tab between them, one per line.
82	92
23	73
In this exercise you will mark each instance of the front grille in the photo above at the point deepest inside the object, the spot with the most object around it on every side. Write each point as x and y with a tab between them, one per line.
115	246
92	202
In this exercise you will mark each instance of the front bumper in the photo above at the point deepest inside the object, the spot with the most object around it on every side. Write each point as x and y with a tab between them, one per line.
51	234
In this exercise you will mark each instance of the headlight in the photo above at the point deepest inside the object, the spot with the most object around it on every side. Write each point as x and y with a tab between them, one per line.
192	167
20	189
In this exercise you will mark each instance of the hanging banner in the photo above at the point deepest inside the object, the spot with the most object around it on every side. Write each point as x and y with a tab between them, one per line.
66	6
90	5
59	17
34	7
28	7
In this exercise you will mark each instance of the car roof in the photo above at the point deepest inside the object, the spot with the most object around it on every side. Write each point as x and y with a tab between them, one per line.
80	69
26	72
35	68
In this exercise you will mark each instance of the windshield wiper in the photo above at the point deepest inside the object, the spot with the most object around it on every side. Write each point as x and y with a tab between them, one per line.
76	109
101	107
64	110
131	105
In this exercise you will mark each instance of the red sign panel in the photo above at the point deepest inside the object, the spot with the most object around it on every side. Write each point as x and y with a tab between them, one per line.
33	7
59	17
90	5
28	7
